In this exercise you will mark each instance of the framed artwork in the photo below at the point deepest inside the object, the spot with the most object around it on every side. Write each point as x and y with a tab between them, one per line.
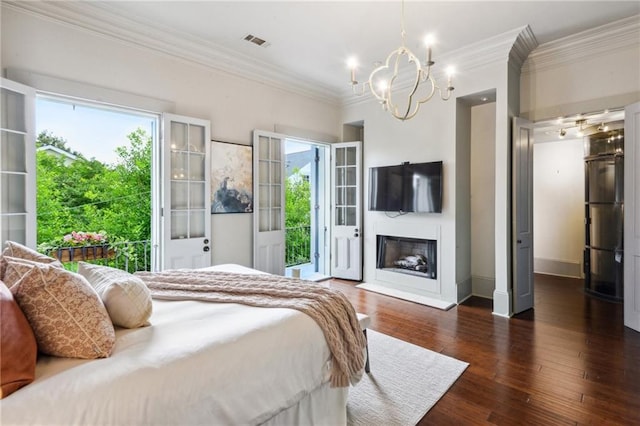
231	178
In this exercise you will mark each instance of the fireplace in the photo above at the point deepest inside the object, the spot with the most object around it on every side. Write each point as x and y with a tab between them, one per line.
412	256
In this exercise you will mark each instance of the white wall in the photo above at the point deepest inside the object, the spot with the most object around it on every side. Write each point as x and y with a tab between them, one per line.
558	212
483	133
431	136
586	72
235	105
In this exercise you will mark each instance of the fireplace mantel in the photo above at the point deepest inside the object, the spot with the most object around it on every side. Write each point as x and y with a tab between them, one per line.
405	282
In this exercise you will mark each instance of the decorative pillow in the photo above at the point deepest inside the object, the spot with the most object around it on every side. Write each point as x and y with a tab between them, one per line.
14	249
18	349
125	296
15	268
65	313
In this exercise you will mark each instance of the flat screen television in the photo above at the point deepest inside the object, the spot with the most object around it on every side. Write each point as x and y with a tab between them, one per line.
406	188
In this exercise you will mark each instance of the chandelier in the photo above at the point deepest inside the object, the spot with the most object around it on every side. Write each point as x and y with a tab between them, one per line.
384	83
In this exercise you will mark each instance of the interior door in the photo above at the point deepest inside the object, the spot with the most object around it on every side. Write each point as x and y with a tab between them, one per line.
186	195
268	198
522	215
346	220
17	164
632	216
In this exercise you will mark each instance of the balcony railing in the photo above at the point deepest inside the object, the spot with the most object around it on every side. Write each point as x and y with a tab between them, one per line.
130	256
298	245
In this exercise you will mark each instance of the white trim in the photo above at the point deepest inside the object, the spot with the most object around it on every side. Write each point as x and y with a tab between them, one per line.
74	91
608	38
482	286
557	267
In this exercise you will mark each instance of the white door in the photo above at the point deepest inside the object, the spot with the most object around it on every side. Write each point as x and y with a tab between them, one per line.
632	216
346	220
522	215
186	193
268	201
17	164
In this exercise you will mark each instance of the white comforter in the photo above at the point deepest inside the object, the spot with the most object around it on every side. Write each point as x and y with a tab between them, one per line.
198	363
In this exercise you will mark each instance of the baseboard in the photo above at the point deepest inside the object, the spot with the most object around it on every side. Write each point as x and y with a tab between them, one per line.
561	268
483	286
464	290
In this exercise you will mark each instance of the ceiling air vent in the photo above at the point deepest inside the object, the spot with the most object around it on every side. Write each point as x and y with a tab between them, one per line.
256	40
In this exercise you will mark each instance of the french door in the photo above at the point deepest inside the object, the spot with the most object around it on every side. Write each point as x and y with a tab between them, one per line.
346	218
186	196
268	199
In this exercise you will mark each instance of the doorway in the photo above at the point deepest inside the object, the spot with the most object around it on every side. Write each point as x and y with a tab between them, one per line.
567	224
93	179
306	213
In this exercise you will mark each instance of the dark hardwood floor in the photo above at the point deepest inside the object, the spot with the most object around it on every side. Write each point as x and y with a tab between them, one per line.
568	361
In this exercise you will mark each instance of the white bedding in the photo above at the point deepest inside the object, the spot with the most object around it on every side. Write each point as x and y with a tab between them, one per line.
198	363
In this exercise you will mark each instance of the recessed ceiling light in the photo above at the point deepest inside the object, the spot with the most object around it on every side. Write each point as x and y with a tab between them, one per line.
484	99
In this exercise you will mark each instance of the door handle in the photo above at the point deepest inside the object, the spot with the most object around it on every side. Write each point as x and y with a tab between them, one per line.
205	248
519	241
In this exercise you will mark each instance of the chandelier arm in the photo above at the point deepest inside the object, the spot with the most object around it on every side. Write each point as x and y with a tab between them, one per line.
416	83
382	90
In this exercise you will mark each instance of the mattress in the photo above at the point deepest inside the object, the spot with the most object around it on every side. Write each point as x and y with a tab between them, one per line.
198	363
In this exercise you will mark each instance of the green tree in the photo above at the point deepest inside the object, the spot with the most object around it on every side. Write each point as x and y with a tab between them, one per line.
298	200
297	218
87	195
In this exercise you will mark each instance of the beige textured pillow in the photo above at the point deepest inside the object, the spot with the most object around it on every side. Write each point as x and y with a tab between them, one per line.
125	296
15	268
17	250
65	313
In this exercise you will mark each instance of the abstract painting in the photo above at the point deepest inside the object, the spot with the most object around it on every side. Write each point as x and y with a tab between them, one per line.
231	178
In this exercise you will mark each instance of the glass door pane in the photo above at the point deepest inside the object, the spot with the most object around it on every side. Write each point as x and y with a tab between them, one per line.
270	184
188	213
345	186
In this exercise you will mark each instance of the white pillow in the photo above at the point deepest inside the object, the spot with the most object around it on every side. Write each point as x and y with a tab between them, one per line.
125	296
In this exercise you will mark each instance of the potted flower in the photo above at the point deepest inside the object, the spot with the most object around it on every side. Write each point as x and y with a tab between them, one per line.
80	245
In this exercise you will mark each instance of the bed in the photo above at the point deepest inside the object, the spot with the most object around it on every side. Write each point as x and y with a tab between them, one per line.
199	363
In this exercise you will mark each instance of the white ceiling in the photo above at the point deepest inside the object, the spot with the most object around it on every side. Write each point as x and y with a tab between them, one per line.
311	40
314	38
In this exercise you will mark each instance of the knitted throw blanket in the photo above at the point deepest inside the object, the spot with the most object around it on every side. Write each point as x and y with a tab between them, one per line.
329	308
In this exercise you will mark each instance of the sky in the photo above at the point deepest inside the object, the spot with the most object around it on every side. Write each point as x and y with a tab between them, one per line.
91	131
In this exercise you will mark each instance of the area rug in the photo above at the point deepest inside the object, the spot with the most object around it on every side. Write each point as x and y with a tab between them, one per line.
404	383
405	295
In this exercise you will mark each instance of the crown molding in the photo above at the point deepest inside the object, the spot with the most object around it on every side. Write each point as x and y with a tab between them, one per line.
103	20
618	35
513	45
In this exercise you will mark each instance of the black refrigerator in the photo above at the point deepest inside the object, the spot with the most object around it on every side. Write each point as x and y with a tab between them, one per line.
604	212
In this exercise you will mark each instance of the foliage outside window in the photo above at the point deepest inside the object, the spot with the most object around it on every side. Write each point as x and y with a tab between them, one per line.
76	194
298	219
